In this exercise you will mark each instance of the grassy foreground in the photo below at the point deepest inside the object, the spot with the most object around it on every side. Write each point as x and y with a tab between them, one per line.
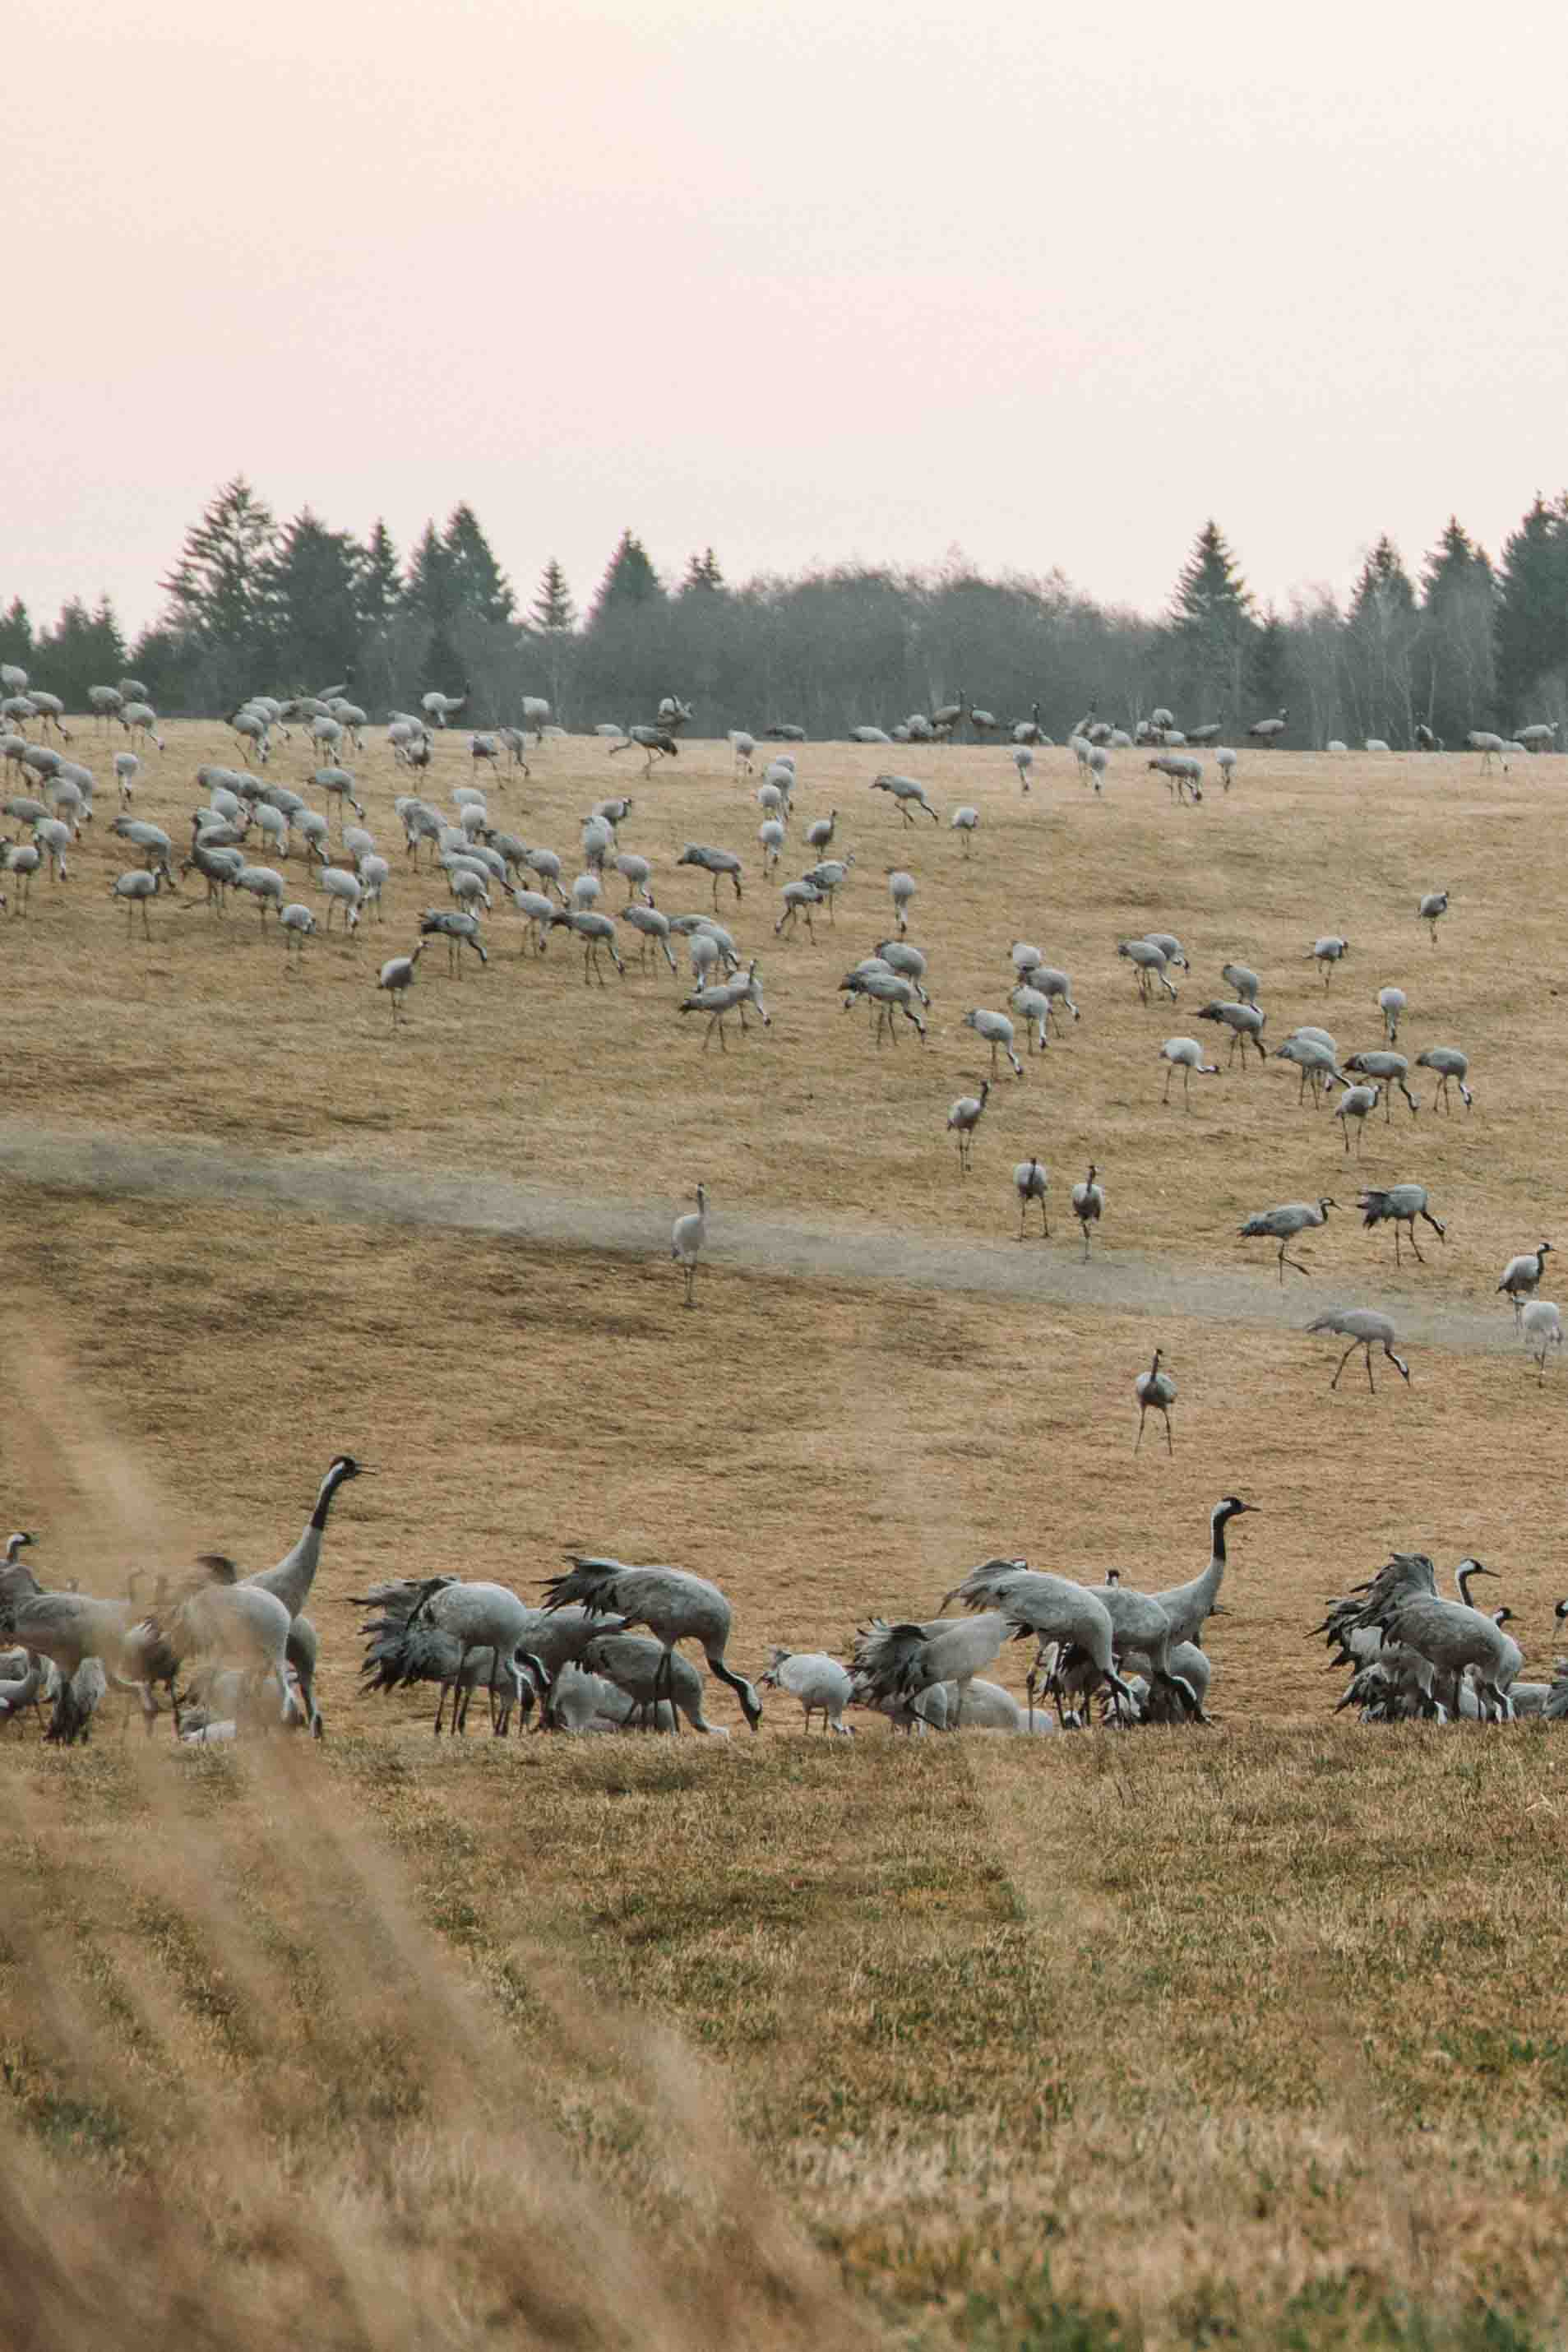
1258	2040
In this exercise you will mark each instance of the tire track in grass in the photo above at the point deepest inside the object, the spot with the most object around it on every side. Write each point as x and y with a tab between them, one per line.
1122	1282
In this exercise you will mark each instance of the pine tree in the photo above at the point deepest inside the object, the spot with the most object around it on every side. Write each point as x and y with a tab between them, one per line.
630	581
380	582
1455	566
1455	686
480	586
703	572
430	593
313	584
1267	659
552	610
1532	616
83	649
1384	590
15	633
1212	624
216	590
1379	647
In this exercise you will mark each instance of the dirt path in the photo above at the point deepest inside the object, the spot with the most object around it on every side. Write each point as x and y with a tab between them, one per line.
1054	1272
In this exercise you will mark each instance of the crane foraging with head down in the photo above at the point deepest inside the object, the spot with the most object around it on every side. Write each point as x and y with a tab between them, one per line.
674	1605
1365	1328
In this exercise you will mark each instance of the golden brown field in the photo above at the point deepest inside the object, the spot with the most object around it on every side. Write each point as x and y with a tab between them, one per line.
1253	2035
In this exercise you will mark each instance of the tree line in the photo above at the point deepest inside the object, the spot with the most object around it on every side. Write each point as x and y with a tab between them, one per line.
253	605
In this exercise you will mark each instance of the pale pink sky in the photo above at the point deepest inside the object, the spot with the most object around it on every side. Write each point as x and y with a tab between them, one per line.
810	280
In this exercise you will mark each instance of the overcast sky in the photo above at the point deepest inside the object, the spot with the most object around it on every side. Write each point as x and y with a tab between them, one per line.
813	282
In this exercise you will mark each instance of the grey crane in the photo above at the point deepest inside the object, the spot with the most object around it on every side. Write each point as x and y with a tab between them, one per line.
1357	1103
675	1605
1365	1329
1189	1606
1391	1070
1541	1326
1088	1203
396	976
1186	1055
1245	1022
1521	1276
1033	1009
1326	952
1056	987
652	926
906	961
597	932
1058	1610
657	742
443	706
821	1684
799	898
963	1117
1031	1182
482	1616
232	1624
136	888
903	1660
688	1239
459	929
828	877
1452	1068
1453	1636
890	991
1314	1060
715	863
819	831
1148	961
965	821
1156	1392
1283	1224
1400	1204
727	997
1391	1004
905	793
291	1580
660	1684
996	1031
264	884
1434	905
1267	730
298	924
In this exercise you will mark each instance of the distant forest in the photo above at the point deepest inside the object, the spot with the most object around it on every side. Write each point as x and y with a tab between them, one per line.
255	606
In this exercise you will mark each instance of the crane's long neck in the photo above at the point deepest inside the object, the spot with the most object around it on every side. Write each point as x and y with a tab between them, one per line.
295	1574
1213	1576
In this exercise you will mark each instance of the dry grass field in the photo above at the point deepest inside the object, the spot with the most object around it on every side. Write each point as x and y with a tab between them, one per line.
1252	2036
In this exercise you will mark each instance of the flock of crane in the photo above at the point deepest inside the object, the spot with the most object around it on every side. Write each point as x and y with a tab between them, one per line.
601	1650
203	1648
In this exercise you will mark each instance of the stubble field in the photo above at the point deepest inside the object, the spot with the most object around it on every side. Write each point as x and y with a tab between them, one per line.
1167	2039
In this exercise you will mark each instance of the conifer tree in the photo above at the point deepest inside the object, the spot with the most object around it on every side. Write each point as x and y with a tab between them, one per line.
16	634
216	591
480	586
702	573
380	582
629	581
1212	625
552	610
1531	614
